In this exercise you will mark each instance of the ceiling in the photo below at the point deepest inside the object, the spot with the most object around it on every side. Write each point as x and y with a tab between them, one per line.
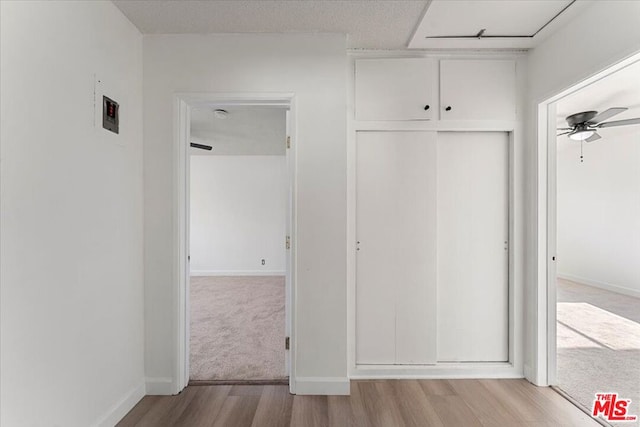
370	24
621	89
245	131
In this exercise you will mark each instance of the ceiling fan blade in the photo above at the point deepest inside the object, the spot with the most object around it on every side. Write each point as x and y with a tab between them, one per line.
564	129
635	121
593	137
201	146
606	114
563	133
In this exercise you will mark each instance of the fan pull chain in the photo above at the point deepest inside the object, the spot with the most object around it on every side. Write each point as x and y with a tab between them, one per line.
581	156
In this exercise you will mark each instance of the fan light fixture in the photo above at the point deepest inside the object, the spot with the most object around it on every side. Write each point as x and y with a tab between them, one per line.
581	134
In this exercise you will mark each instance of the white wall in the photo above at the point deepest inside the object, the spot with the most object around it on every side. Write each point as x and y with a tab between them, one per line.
599	212
238	214
610	30
314	67
71	216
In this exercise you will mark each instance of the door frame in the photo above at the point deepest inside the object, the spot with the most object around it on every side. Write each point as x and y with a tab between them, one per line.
544	321
183	103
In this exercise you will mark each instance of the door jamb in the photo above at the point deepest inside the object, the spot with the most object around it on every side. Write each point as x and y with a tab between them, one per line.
183	103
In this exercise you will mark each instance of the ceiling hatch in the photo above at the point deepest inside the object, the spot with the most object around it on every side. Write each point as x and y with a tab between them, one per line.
515	24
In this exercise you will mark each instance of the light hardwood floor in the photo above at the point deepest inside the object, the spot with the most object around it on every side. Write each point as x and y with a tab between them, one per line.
388	403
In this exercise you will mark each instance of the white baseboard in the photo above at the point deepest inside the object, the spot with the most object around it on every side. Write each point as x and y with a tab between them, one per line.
331	386
237	273
122	407
162	386
439	371
601	285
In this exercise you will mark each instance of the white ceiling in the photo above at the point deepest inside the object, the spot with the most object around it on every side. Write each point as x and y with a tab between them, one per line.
370	24
621	89
246	131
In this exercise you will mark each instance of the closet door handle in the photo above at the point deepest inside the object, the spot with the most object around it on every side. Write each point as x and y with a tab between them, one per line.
448	108
426	107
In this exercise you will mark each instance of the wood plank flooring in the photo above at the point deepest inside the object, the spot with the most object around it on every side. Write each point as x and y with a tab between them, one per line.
375	403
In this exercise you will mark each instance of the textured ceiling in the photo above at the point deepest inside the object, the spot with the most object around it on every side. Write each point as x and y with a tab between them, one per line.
369	24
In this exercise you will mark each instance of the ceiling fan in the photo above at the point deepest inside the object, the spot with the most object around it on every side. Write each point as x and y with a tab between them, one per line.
584	125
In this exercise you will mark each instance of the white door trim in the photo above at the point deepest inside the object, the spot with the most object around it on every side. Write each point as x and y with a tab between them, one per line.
544	313
183	103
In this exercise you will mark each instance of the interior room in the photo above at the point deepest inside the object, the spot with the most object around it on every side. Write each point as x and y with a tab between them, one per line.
238	196
598	242
410	280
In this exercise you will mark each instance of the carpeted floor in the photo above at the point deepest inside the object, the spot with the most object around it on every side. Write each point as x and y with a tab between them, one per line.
598	344
237	328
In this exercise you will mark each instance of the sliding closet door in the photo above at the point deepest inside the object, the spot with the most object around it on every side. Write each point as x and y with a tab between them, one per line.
396	260
472	246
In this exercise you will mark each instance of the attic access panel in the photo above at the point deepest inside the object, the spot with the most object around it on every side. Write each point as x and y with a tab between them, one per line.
506	23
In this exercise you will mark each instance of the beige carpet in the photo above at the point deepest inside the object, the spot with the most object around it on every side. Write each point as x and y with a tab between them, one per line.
598	344
237	328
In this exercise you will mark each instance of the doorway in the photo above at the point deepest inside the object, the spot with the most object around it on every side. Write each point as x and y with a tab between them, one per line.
236	235
598	242
592	236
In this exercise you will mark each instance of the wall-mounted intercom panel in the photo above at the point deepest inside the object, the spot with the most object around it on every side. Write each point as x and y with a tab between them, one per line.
107	102
110	114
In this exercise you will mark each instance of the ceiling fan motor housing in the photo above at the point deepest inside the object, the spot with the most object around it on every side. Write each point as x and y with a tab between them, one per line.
580	118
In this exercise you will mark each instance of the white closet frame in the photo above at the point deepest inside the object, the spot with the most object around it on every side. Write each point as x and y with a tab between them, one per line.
514	368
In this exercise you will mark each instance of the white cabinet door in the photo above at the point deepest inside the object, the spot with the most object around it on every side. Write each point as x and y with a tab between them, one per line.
396	89
396	260
473	246
477	90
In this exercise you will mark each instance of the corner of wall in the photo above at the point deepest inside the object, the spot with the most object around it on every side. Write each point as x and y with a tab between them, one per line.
122	406
160	386
331	386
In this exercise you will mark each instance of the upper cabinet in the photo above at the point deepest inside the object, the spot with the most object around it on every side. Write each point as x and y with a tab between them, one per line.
396	89
477	89
431	89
